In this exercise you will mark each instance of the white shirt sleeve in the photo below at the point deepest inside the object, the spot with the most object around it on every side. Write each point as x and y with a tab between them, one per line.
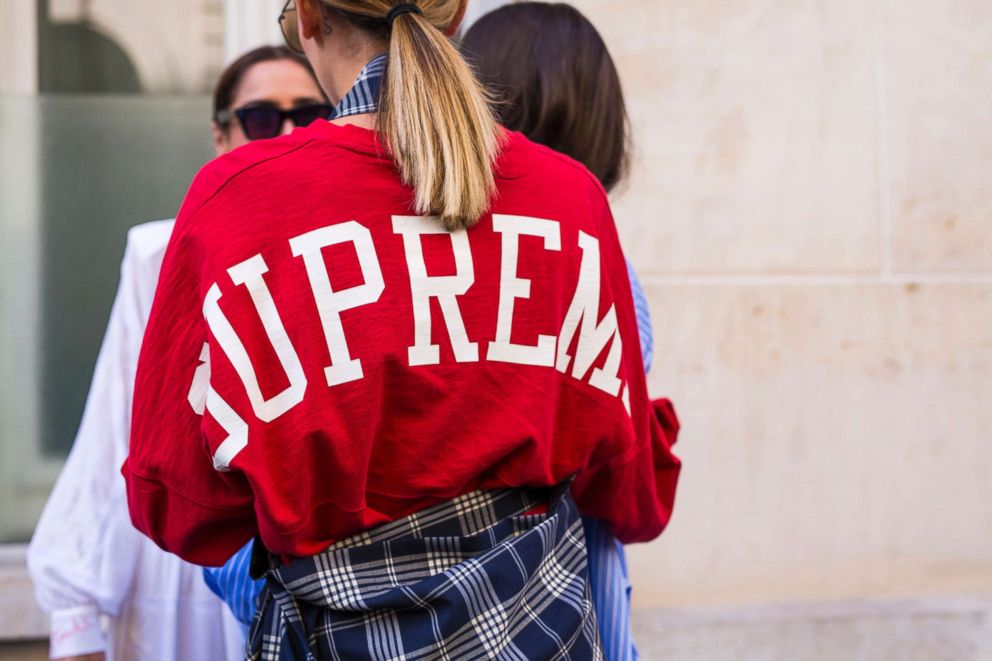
84	551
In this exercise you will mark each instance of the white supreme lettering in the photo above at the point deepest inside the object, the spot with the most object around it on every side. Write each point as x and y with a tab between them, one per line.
593	335
202	397
330	303
249	273
512	287
446	289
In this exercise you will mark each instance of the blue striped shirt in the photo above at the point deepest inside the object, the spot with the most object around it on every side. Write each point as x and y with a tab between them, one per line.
608	577
235	586
643	318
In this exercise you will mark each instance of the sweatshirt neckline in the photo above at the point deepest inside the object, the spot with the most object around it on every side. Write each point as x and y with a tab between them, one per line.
352	135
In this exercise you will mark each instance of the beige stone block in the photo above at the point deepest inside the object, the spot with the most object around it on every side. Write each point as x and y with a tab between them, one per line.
837	443
755	130
955	627
938	62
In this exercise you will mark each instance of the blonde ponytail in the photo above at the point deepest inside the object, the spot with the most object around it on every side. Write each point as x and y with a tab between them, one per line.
434	114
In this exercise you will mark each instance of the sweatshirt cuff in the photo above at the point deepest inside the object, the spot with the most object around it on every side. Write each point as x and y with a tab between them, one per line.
76	631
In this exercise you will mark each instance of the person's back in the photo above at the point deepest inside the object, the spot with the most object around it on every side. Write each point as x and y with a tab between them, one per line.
404	364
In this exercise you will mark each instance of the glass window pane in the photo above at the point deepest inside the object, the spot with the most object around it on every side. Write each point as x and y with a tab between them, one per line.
79	165
75	173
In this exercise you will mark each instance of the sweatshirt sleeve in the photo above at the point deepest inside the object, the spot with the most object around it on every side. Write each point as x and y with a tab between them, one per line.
633	493
84	551
176	496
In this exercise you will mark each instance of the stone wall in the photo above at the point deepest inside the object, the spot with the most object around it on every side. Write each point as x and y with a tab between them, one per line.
811	210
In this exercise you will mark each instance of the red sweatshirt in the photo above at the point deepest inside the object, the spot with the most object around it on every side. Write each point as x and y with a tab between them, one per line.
319	360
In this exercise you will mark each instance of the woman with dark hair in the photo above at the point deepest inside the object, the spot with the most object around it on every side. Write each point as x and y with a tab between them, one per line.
554	81
265	93
86	560
355	357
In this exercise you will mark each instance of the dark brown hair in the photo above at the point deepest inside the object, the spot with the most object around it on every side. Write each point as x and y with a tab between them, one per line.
230	80
556	83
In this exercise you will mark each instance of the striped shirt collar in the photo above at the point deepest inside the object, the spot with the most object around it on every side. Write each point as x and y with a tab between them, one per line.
363	97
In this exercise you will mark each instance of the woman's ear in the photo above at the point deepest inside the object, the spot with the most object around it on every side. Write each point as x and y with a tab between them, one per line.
459	17
311	14
221	141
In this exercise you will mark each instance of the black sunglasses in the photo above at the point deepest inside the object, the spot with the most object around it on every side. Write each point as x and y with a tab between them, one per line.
288	23
264	122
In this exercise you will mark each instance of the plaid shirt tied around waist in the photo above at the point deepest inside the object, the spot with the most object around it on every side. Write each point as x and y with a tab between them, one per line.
471	578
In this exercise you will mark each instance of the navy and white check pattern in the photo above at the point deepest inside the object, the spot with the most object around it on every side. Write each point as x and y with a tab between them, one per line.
363	96
472	578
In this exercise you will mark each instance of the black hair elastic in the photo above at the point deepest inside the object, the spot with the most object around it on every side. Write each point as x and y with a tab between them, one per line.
400	9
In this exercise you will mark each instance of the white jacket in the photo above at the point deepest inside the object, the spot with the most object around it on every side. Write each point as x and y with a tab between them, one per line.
86	561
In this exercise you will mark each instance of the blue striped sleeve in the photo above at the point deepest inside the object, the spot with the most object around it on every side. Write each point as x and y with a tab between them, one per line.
609	581
234	585
643	318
